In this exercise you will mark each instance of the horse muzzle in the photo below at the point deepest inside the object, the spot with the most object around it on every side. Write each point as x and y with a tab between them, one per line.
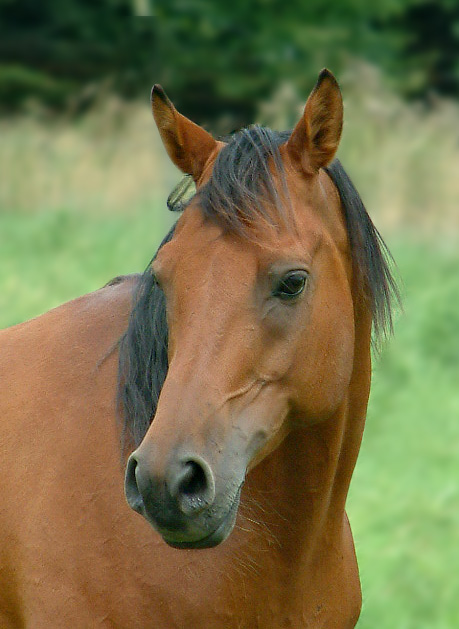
185	503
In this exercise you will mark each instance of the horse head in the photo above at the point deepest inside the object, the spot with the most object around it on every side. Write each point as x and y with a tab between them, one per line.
259	289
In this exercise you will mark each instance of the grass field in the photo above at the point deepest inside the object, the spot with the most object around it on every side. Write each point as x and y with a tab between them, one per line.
404	500
82	210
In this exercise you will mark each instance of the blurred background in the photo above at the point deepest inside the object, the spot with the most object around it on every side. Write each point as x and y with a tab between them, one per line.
84	181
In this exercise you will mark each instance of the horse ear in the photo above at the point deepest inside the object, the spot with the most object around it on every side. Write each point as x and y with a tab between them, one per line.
189	146
314	140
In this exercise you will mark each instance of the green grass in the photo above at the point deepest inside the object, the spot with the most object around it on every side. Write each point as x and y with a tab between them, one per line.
51	257
404	499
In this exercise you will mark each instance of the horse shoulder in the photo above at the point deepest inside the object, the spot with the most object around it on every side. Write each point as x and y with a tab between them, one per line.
72	551
57	366
80	330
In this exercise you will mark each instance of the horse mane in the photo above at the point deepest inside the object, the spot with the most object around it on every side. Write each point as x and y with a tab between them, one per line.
143	361
235	196
371	258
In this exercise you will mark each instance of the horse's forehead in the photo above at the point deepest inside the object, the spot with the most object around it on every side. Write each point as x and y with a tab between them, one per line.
201	245
200	241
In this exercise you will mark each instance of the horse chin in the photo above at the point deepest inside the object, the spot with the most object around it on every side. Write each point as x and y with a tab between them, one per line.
216	537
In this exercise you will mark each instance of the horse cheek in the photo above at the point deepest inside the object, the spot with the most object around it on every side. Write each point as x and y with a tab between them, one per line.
321	384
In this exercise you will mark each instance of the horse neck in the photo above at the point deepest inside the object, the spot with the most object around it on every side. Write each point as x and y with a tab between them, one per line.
299	492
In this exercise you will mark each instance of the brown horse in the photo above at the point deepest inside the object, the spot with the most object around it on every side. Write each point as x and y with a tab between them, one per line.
249	344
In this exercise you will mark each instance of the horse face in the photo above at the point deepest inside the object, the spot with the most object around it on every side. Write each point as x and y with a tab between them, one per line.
260	338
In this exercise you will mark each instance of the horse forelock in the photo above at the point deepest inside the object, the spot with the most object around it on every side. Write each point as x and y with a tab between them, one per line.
235	197
241	190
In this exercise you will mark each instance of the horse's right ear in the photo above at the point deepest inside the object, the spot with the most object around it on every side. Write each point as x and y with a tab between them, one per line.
189	146
314	141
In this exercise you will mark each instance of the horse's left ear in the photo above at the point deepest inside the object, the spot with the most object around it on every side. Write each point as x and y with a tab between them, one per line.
314	141
189	146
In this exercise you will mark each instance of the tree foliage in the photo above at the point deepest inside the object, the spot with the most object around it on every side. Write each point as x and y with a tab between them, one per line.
217	60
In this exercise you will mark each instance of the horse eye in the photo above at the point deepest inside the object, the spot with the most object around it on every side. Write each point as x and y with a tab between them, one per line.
291	285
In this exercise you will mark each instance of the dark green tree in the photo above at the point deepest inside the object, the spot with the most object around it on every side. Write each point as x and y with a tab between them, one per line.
217	60
428	51
52	50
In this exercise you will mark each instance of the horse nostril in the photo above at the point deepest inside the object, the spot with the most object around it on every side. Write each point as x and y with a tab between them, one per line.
131	488
194	479
188	488
194	486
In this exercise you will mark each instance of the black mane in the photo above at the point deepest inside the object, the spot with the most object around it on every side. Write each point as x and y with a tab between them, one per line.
235	196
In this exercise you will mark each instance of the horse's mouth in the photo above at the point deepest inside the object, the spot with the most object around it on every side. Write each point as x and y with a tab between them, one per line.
216	537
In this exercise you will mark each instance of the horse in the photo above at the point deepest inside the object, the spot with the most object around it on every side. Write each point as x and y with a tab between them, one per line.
230	381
